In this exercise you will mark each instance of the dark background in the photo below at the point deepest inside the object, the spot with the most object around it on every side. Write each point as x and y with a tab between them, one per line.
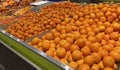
11	61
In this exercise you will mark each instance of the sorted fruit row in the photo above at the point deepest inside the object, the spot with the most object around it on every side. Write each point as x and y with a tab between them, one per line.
87	38
34	23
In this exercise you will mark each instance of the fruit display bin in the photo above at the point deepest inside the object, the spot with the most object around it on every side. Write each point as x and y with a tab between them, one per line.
14	15
32	8
39	58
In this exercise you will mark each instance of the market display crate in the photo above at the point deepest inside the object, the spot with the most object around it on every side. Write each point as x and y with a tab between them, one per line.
81	32
45	56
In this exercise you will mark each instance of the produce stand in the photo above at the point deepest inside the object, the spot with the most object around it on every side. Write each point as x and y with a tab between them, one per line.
27	53
71	35
37	59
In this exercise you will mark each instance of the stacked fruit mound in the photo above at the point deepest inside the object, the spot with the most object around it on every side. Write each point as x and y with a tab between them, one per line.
84	38
10	6
48	17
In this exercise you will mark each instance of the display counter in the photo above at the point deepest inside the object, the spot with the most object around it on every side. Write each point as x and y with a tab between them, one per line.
33	57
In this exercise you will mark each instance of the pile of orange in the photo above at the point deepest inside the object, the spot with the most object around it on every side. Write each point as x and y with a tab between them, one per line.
34	23
86	39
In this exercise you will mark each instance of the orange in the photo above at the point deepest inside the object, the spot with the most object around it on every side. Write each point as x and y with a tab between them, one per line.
89	60
103	52
95	47
116	26
58	28
30	43
66	56
68	28
73	65
50	53
40	49
88	43
111	42
99	37
92	39
48	36
39	44
108	68
62	43
104	42
68	53
70	40
73	48
96	30
86	51
75	17
77	55
107	13
64	61
97	57
60	52
84	67
35	46
45	46
103	19
80	43
57	58
108	61
108	47
117	43
109	30
70	59
56	34
107	37
115	55
117	49
56	40
35	41
52	45
101	66
53	31
114	36
79	62
63	36
83	32
92	15
95	67
115	67
76	35
52	49
67	46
